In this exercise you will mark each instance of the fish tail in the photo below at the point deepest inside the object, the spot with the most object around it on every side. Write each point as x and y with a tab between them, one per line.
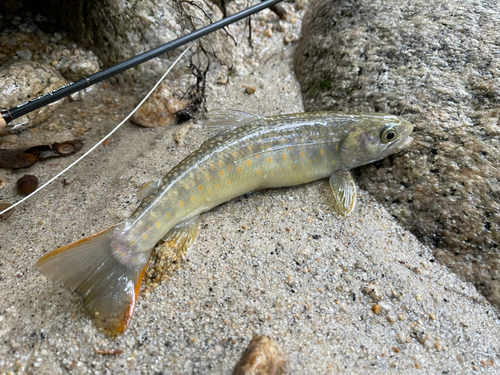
108	286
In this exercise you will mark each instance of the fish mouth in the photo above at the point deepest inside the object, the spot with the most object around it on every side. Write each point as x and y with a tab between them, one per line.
396	147
408	141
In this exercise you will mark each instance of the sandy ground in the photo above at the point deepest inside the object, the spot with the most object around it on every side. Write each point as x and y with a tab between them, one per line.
276	262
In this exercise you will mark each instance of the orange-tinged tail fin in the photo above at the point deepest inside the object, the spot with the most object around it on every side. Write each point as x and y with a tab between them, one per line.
109	287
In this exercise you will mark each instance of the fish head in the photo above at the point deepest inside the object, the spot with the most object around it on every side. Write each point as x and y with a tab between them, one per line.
374	136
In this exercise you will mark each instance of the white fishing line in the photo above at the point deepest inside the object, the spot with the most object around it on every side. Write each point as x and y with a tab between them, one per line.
103	139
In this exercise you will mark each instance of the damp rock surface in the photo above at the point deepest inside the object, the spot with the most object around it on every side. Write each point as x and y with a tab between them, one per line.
36	58
437	63
25	80
117	30
33	38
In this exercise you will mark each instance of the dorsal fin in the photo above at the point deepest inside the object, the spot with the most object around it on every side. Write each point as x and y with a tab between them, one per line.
221	121
148	188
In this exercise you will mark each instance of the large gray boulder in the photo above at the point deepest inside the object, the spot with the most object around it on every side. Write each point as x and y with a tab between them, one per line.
438	64
117	30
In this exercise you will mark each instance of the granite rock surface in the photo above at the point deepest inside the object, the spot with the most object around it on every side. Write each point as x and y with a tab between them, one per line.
437	64
25	80
36	58
117	30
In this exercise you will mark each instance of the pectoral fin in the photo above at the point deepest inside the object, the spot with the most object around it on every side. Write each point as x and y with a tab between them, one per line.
148	188
344	191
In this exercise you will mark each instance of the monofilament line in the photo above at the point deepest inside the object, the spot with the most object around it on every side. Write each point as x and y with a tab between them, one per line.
103	139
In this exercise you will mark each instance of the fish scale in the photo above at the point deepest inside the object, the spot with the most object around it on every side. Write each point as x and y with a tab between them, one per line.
251	153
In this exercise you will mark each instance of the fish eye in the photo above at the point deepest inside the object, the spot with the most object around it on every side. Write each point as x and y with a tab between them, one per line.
388	135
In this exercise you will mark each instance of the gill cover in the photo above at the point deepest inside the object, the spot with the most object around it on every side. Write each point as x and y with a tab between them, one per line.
373	136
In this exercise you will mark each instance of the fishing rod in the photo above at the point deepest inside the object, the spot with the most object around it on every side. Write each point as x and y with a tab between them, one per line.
72	87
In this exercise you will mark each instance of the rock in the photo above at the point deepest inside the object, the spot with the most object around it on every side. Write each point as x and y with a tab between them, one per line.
27	184
16	42
262	357
11	5
159	109
23	38
78	64
200	14
117	30
26	80
438	66
6	214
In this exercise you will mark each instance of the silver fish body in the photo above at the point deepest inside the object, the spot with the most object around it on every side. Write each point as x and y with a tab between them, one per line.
260	153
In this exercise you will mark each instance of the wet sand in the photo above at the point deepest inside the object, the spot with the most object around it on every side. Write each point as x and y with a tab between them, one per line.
356	294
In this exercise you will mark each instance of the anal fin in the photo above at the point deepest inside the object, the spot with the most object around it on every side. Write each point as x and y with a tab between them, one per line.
168	256
344	191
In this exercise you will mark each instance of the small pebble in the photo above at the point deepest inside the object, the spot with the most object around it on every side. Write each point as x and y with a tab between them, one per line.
343	306
391	318
27	184
268	33
402	338
4	206
372	291
289	38
385	306
376	309
66	148
428	344
262	356
222	80
250	89
432	316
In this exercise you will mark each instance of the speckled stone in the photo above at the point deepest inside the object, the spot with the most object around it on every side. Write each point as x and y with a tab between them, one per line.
32	37
263	356
78	65
438	64
25	80
159	109
15	42
117	30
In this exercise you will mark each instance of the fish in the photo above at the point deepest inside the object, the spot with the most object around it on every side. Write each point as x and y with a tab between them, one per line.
248	153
